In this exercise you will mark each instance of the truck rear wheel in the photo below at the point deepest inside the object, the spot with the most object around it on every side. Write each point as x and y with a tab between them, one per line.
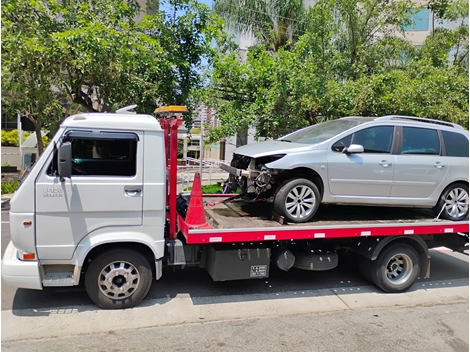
119	278
395	269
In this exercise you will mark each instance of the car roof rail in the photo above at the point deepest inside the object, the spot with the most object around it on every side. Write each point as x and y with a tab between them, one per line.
351	117
419	119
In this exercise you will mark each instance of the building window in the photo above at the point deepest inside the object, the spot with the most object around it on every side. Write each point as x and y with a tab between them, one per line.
419	21
9	122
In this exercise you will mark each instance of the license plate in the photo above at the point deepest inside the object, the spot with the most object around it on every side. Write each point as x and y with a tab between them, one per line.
258	270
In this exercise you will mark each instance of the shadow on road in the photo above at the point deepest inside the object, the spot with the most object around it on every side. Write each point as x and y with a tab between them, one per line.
447	270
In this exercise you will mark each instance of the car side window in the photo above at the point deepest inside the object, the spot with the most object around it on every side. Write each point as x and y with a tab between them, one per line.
456	144
421	141
375	139
341	144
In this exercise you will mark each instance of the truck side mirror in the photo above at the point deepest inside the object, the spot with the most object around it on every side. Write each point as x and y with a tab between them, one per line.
65	161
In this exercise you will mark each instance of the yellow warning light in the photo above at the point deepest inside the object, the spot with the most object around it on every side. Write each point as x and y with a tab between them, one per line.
172	109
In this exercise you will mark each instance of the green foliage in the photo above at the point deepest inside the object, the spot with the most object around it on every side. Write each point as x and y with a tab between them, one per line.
11	138
212	189
275	23
93	55
341	67
9	187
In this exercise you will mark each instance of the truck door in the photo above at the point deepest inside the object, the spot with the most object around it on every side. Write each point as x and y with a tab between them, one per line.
105	190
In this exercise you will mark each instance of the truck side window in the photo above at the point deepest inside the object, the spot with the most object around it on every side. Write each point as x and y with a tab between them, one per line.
103	157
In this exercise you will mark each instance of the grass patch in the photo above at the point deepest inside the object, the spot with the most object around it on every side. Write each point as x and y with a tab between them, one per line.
9	187
212	189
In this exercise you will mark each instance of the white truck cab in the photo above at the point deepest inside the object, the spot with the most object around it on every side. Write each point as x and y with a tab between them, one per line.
101	181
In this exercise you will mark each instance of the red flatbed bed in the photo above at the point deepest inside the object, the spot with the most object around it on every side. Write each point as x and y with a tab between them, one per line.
242	221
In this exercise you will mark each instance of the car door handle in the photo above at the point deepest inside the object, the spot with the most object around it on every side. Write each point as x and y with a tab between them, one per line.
438	165
133	192
385	163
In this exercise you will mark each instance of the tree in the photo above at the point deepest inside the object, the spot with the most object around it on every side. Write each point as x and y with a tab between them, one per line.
92	54
275	23
352	60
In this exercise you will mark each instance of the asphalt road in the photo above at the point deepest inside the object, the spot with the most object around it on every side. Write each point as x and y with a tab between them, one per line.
438	328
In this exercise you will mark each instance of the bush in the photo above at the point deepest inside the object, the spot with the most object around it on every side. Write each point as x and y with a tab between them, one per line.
9	187
10	138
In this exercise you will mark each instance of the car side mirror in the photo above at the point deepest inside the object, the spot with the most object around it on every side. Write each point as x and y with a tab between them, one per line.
65	161
353	149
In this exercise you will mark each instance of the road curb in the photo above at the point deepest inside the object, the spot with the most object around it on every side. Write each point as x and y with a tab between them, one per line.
184	309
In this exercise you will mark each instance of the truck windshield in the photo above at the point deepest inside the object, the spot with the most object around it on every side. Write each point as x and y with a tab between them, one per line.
322	131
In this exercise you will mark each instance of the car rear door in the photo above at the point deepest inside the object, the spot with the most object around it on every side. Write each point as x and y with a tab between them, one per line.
420	168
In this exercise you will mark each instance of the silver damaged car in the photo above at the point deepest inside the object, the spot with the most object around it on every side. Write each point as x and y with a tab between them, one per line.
387	161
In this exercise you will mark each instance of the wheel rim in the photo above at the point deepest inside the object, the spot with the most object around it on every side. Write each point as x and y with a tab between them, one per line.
300	202
119	280
399	269
456	202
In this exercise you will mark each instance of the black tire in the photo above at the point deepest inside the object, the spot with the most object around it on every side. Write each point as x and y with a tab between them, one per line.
396	268
113	269
364	267
297	200
316	261
453	203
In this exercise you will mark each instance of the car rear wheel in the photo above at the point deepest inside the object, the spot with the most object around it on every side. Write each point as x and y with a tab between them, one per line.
297	200
453	203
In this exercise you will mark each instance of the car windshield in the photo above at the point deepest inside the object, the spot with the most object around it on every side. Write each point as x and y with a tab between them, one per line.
322	131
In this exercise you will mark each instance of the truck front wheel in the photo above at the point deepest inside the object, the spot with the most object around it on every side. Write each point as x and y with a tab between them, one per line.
120	278
395	269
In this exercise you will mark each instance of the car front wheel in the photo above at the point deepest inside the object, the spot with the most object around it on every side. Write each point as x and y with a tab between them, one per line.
297	200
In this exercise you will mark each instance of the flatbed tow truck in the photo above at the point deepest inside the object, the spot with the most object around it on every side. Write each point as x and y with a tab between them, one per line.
112	220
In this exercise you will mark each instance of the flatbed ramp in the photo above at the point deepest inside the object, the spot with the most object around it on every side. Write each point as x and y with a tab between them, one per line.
235	220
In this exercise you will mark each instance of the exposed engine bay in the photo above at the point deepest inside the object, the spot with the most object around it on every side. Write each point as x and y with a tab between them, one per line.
252	174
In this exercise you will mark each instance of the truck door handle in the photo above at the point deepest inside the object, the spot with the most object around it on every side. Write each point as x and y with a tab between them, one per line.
133	192
438	165
385	163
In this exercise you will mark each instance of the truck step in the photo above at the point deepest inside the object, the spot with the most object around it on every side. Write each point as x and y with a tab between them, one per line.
58	279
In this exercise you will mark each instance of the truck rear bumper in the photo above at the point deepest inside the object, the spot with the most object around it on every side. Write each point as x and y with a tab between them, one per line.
19	273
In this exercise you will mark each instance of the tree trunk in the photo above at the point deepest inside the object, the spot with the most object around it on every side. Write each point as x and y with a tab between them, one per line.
37	129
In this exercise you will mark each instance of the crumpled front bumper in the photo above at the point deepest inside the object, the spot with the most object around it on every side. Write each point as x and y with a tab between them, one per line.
20	273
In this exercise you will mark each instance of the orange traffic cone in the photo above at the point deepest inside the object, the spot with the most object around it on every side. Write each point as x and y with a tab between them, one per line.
195	214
